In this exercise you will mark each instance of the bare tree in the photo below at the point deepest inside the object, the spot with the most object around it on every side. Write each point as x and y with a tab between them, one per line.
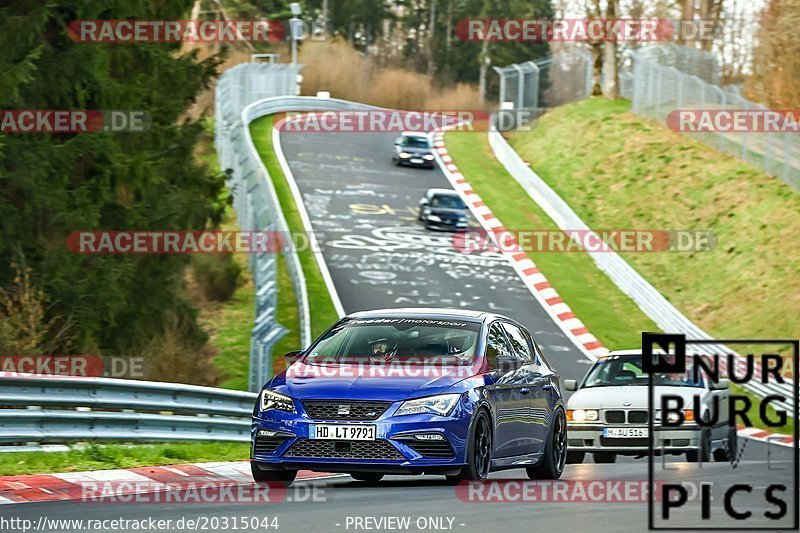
610	89
484	59
776	58
431	33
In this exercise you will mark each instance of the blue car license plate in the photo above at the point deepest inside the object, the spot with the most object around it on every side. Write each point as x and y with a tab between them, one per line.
342	432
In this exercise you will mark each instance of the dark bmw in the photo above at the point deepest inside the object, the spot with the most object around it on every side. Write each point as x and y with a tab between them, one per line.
413	149
443	209
413	391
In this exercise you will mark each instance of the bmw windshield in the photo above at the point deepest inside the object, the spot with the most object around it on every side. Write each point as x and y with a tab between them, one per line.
451	342
626	370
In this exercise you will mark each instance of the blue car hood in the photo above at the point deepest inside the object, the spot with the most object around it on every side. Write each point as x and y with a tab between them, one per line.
353	382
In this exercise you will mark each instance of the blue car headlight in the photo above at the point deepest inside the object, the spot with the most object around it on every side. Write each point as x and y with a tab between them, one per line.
274	400
441	405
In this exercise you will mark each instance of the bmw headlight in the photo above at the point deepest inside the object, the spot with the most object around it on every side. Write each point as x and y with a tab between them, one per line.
434	218
405	155
582	415
672	418
428	157
273	400
441	405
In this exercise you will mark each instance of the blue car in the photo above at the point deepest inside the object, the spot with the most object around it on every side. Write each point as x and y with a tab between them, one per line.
413	391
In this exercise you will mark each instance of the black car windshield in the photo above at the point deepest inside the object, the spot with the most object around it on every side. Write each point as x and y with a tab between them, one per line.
616	370
447	201
415	142
379	340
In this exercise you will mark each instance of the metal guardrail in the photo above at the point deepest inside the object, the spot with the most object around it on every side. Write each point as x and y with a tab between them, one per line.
261	209
255	201
61	409
629	281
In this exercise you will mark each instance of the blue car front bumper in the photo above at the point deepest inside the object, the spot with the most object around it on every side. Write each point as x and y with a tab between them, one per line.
281	440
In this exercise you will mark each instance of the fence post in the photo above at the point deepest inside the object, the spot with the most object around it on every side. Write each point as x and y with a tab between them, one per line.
501	73
723	103
520	86
535	84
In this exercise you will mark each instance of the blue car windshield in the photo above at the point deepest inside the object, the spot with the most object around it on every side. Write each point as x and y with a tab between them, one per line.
451	342
617	370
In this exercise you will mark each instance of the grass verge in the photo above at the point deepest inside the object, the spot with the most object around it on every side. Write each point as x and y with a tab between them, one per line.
102	456
608	313
623	172
323	313
582	151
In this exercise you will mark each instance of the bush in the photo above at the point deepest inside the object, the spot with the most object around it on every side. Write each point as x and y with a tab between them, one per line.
216	275
179	354
337	67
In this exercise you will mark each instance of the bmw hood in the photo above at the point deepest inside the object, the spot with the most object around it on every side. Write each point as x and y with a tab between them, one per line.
356	382
627	397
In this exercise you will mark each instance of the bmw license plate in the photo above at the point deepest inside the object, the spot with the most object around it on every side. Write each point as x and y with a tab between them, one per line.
416	160
626	433
342	432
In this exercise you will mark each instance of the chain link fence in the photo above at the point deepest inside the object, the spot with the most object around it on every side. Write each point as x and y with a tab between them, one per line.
664	78
545	83
255	201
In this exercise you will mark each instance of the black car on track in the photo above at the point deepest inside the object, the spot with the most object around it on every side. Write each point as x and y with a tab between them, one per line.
443	209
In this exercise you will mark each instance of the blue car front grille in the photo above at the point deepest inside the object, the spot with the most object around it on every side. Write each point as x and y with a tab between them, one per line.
344	409
380	449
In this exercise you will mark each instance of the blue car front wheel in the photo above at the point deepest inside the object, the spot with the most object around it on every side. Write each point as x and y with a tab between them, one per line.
555	451
479	451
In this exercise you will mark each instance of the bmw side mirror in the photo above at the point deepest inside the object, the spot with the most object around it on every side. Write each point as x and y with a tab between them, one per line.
398	141
423	201
570	385
722	384
291	357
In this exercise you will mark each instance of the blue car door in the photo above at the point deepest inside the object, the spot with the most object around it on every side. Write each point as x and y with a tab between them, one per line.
537	378
509	395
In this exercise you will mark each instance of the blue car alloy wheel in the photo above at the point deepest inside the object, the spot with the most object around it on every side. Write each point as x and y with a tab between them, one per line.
412	391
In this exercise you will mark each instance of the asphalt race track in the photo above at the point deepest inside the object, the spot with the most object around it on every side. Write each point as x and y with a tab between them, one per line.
346	501
363	209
